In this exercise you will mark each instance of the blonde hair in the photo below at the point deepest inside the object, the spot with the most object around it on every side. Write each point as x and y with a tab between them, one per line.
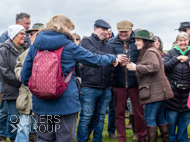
182	34
60	22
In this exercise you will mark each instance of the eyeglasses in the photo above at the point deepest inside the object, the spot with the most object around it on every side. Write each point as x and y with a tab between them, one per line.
22	34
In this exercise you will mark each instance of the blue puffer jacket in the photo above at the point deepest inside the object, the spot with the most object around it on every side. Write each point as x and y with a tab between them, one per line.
68	102
96	77
121	76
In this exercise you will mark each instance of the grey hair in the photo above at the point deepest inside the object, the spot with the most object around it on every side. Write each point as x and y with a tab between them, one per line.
182	34
159	39
21	16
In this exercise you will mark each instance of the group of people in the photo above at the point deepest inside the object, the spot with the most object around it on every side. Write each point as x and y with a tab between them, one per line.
112	69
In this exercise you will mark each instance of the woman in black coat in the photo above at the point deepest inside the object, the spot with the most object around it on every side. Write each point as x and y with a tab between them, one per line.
9	51
177	69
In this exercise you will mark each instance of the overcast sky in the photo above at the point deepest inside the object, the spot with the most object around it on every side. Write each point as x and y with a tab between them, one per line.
161	17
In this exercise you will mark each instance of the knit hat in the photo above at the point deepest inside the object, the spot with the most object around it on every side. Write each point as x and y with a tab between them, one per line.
182	34
13	30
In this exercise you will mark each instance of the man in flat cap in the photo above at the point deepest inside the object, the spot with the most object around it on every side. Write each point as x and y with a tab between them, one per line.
96	82
185	27
124	83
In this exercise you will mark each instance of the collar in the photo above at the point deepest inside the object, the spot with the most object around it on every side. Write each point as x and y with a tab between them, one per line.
182	52
97	38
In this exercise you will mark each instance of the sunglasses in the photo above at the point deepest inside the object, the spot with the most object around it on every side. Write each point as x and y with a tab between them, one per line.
32	33
184	30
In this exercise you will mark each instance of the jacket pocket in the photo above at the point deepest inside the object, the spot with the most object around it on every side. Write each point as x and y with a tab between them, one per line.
22	100
144	91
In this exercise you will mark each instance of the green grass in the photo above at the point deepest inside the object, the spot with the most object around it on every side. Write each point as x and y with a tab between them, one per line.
165	51
129	133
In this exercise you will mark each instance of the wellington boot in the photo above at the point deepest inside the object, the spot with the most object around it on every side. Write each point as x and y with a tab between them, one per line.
152	133
164	130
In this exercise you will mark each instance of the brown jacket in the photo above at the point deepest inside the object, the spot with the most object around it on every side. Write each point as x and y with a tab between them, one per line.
153	84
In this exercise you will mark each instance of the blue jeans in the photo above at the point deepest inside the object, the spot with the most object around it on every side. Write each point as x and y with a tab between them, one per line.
129	105
111	117
93	99
154	113
180	120
3	118
25	128
13	119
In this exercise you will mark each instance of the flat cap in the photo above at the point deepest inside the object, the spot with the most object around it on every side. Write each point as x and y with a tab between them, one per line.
124	25
102	24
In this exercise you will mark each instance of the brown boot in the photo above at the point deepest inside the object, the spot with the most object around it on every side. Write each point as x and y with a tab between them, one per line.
152	133
164	130
32	137
2	139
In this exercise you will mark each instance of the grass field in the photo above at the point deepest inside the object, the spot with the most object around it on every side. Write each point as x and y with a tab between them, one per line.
129	133
165	51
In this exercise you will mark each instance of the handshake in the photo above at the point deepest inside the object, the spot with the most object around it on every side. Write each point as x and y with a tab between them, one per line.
124	61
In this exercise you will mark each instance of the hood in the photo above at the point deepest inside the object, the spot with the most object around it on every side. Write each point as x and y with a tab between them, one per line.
8	44
49	39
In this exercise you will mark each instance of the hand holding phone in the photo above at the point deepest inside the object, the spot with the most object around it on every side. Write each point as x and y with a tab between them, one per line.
123	59
128	53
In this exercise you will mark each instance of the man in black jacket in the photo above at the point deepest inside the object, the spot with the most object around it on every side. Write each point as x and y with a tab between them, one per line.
96	82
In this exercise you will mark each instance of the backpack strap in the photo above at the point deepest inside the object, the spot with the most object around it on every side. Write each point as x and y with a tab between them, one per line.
68	77
60	74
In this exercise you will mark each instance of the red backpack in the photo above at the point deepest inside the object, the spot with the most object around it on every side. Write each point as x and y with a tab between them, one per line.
47	80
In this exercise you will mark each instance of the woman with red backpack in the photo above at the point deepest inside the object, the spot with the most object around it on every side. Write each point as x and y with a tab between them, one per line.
62	112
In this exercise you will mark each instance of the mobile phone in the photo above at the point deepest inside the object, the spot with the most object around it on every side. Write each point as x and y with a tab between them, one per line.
128	53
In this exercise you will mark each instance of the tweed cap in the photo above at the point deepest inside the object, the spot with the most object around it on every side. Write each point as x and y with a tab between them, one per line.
124	25
102	24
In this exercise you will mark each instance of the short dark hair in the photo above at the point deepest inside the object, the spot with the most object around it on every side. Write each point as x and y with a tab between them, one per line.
19	17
